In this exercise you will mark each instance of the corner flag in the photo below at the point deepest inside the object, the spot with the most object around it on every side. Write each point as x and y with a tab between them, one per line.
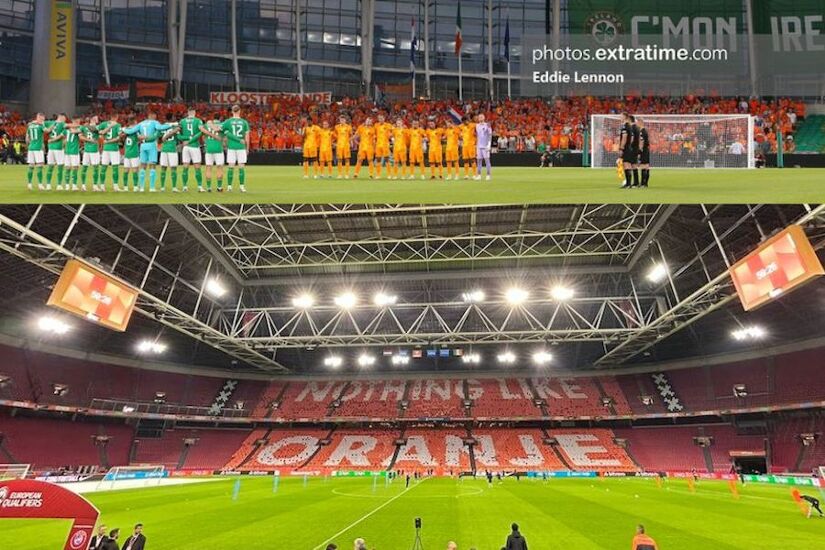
458	40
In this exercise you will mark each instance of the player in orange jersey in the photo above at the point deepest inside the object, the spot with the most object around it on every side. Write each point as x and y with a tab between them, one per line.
399	150
453	134
366	146
309	132
383	133
325	148
468	147
416	134
435	152
343	146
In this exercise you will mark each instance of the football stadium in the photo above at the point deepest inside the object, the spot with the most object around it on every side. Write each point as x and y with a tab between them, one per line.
375	101
411	376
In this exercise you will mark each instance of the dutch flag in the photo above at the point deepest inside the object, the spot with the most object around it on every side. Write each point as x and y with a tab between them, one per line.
456	114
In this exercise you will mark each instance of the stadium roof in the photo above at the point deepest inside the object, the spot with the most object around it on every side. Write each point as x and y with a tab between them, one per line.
427	257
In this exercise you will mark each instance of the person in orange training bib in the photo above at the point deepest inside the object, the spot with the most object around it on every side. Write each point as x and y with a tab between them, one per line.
643	542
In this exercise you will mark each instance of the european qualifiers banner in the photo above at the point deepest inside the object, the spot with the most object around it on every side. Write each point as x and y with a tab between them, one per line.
617	48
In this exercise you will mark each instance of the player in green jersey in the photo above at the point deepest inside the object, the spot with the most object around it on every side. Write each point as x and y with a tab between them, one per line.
34	144
91	153
236	131
190	137
169	155
71	156
110	130
214	154
131	156
54	155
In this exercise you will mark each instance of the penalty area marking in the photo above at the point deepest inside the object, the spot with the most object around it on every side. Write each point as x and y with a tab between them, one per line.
365	516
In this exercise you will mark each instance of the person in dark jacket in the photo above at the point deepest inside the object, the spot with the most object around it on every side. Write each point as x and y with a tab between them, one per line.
137	541
99	539
111	541
515	541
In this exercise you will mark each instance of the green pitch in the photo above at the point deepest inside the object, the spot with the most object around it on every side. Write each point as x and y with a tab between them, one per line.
563	513
285	184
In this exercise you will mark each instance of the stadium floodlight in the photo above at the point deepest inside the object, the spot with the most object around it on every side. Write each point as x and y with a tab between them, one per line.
366	360
657	273
347	300
384	300
562	293
333	361
506	358
474	296
516	296
303	301
471	358
128	409
151	346
53	325
400	360
752	332
542	357
215	288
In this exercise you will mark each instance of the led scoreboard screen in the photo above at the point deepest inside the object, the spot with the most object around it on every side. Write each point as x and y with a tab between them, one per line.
94	294
780	264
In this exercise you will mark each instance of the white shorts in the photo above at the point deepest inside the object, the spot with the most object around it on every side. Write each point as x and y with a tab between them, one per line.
91	159
483	152
214	159
191	155
110	158
235	156
34	157
71	161
168	159
131	162
55	156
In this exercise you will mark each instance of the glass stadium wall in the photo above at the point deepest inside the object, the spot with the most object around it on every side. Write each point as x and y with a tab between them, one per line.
346	46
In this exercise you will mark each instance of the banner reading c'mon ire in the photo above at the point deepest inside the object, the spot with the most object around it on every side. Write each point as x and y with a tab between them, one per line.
60	40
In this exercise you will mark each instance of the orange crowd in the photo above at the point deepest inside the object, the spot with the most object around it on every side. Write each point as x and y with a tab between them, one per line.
527	124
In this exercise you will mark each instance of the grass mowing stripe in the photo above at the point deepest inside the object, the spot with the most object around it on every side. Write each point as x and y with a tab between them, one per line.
365	516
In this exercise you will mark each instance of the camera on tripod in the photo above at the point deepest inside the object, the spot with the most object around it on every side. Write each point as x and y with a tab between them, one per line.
418	523
417	544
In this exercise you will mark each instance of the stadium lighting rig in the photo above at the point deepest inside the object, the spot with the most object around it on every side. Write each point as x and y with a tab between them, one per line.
347	300
383	300
303	301
516	296
215	288
657	273
399	360
473	297
506	358
752	332
366	360
53	325
471	358
542	358
562	293
151	347
333	361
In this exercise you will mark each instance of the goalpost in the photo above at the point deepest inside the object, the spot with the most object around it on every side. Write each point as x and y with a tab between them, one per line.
150	474
14	471
680	141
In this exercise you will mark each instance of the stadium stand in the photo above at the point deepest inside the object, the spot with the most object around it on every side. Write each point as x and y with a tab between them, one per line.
374	399
664	448
308	399
352	449
522	448
285	449
436	399
499	397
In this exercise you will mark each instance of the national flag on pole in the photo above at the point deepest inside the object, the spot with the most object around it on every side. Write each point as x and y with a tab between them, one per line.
458	40
413	48
455	114
507	40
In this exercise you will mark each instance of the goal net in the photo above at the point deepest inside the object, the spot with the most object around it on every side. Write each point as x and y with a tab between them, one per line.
680	141
144	475
14	471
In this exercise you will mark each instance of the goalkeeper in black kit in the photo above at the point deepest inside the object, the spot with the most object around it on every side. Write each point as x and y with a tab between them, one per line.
644	153
628	145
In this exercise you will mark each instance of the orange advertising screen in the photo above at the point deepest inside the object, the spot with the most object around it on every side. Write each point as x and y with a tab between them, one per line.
781	263
89	292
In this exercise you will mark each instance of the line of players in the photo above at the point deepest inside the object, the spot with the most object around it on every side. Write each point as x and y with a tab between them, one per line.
57	144
397	148
634	145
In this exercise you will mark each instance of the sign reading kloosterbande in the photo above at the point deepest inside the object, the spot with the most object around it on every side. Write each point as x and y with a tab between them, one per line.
265	98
